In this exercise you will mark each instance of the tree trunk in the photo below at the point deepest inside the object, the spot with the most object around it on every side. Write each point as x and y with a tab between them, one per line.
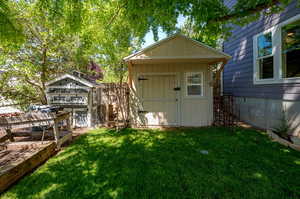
43	77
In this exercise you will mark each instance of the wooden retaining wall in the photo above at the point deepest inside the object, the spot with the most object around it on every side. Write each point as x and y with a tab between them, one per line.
284	142
12	174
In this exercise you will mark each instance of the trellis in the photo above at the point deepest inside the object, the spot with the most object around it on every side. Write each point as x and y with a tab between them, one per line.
224	111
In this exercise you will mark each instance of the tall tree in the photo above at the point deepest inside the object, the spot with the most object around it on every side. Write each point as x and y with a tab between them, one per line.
51	46
40	38
143	15
45	52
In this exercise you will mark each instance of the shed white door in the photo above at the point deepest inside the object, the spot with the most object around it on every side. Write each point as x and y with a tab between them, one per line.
159	99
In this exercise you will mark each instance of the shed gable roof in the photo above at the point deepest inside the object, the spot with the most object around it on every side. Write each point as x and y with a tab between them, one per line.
176	47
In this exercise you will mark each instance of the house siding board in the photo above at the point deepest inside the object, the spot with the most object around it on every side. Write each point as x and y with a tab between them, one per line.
238	73
229	3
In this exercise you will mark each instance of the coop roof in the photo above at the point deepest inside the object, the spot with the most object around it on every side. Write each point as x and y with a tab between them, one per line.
84	81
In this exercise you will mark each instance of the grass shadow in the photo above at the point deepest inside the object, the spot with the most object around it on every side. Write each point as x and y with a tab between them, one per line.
145	163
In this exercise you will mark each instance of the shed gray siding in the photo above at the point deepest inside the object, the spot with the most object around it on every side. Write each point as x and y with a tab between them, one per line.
238	73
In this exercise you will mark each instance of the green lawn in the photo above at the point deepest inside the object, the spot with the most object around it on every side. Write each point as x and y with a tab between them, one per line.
167	164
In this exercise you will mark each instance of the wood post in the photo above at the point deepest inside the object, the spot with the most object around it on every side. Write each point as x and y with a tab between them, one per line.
130	74
218	78
90	108
10	135
56	131
69	124
58	139
127	92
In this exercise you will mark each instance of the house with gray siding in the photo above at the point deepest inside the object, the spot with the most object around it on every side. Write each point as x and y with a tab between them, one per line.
264	72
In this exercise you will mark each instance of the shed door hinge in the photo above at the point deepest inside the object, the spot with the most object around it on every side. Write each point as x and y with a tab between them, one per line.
142	78
143	112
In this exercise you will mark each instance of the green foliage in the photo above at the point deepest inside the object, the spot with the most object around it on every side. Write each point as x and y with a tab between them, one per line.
74	32
144	163
211	38
10	28
46	51
51	48
70	12
206	16
207	20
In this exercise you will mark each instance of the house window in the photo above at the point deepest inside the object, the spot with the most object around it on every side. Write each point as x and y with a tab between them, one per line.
265	56
277	53
194	84
291	50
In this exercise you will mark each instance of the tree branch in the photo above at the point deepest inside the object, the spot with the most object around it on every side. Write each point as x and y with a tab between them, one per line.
13	93
245	12
116	14
33	84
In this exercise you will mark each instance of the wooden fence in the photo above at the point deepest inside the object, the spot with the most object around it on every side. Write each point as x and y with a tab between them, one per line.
115	105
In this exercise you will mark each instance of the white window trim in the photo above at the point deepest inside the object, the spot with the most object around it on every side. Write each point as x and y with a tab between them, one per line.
277	58
255	57
188	84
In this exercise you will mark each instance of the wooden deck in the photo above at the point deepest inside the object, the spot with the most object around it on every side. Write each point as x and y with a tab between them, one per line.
22	150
